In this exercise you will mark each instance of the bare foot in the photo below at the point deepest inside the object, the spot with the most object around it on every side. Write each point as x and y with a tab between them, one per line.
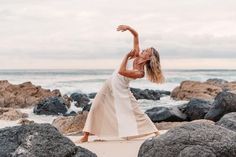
83	139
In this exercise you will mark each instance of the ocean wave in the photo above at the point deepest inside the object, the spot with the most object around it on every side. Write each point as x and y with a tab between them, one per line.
91	80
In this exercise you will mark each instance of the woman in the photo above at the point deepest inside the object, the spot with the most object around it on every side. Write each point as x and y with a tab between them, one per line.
114	111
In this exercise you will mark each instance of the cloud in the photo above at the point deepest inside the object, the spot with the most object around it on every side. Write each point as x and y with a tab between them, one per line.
76	29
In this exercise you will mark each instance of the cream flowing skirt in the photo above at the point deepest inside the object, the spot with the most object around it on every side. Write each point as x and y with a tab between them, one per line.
115	111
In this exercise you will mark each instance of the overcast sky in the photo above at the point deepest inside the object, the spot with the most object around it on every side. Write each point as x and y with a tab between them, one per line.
82	33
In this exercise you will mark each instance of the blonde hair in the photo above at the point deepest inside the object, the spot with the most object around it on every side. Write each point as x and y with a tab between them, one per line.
153	68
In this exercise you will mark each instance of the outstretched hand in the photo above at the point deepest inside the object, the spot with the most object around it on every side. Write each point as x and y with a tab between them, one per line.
122	28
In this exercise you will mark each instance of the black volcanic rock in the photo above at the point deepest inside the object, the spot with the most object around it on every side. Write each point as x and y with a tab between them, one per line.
224	103
38	140
80	98
87	107
145	94
51	106
191	140
167	114
196	109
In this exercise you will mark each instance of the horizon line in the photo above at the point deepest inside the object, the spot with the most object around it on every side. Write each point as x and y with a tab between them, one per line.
115	68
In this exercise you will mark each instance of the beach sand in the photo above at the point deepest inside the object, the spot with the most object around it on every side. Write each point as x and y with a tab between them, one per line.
113	147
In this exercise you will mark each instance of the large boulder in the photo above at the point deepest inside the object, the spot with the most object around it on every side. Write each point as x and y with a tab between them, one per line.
202	90
196	109
70	124
195	89
228	121
38	140
225	102
167	114
51	106
191	140
80	98
11	114
23	95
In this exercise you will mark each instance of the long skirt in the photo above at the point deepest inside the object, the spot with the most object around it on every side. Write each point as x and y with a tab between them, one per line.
115	111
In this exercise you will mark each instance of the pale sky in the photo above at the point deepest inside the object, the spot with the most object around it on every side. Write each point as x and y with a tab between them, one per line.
81	34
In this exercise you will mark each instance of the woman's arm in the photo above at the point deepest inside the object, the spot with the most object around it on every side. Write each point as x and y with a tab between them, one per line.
135	35
129	73
136	41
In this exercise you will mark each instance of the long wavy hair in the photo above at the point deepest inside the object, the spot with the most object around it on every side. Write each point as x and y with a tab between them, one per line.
153	68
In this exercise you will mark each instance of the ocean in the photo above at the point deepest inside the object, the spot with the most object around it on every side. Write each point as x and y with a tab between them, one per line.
88	81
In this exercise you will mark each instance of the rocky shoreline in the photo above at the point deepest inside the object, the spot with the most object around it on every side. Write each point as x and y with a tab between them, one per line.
192	126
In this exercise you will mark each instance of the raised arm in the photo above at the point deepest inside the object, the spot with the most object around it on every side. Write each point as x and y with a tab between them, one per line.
129	73
135	35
